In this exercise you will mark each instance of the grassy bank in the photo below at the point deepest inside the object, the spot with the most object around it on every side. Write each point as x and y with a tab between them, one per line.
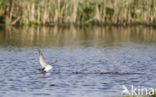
120	12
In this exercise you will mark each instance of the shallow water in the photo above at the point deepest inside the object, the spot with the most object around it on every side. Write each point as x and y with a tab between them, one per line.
92	61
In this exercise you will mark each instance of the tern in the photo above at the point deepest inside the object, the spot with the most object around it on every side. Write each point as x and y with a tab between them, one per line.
45	67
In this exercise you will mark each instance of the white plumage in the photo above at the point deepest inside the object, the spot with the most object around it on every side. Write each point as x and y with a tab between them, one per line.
45	67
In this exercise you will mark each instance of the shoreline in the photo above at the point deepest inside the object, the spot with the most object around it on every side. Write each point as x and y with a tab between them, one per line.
80	25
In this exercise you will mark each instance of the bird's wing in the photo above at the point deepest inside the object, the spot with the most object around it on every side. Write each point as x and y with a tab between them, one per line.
53	62
48	67
42	60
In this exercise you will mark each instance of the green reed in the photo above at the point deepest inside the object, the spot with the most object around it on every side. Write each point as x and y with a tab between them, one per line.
120	12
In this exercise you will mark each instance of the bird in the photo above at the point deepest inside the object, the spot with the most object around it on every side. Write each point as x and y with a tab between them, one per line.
45	67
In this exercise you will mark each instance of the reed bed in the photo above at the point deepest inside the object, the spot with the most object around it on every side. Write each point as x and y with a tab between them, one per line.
120	12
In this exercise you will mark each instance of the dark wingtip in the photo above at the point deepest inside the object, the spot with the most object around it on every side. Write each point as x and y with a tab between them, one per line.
39	51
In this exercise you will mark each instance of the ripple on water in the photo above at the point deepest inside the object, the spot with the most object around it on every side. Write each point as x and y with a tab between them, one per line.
79	71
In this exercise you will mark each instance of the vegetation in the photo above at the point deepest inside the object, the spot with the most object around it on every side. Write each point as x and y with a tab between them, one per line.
120	12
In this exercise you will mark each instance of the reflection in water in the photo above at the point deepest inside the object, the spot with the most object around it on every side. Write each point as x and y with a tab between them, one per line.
75	36
99	65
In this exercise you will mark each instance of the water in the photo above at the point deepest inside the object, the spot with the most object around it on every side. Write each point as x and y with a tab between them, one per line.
92	61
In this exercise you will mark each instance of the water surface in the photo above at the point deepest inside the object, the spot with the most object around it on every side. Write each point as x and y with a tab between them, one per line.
92	61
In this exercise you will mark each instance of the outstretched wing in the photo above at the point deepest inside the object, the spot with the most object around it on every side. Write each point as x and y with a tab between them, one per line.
53	62
42	60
